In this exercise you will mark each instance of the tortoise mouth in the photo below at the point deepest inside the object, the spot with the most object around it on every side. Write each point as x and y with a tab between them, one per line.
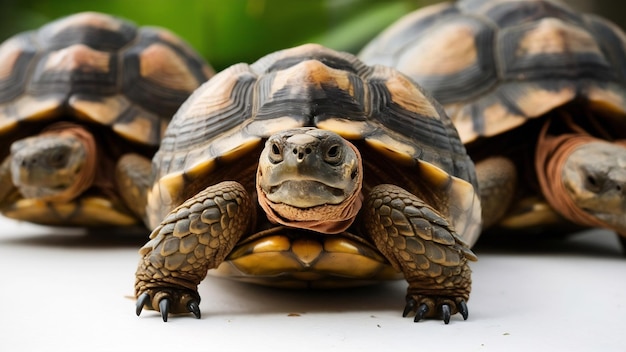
305	193
36	191
614	219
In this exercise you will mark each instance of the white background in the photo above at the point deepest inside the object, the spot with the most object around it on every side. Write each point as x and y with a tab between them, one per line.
63	290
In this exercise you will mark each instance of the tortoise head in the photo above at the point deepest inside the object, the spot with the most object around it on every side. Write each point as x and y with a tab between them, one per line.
51	166
310	175
594	175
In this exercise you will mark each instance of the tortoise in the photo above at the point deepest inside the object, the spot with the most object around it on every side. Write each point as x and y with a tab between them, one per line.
309	169
83	100
537	92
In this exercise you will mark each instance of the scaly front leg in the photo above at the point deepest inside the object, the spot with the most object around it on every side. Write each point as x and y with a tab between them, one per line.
193	238
421	243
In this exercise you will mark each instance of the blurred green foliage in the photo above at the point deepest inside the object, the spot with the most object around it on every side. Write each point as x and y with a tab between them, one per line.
230	31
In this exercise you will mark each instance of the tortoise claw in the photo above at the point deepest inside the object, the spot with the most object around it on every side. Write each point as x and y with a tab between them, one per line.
463	310
445	313
426	309
169	301
164	307
194	308
410	307
141	301
422	310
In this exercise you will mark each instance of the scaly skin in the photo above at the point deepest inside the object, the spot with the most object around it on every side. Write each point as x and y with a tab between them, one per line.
418	241
193	238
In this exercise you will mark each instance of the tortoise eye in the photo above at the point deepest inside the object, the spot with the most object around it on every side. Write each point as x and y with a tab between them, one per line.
333	154
593	183
276	153
58	158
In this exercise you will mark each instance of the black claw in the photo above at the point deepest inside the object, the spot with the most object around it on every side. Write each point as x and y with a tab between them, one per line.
421	312
463	310
164	307
141	301
445	313
410	307
194	308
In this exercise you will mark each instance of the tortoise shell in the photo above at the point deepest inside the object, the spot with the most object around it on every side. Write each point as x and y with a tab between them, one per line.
504	70
99	69
121	82
403	135
497	64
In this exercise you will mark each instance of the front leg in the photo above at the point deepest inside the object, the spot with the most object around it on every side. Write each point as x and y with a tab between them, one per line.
497	182
421	243
193	238
132	176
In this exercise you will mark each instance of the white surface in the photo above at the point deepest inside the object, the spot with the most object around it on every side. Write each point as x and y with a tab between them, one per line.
62	290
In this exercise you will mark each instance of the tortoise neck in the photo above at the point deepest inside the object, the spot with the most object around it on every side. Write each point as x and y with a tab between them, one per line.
327	218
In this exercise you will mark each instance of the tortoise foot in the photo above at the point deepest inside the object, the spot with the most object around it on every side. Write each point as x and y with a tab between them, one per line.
432	307
169	301
193	238
420	242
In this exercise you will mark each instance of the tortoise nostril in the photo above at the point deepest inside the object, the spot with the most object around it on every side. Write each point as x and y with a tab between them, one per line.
592	184
301	152
27	162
